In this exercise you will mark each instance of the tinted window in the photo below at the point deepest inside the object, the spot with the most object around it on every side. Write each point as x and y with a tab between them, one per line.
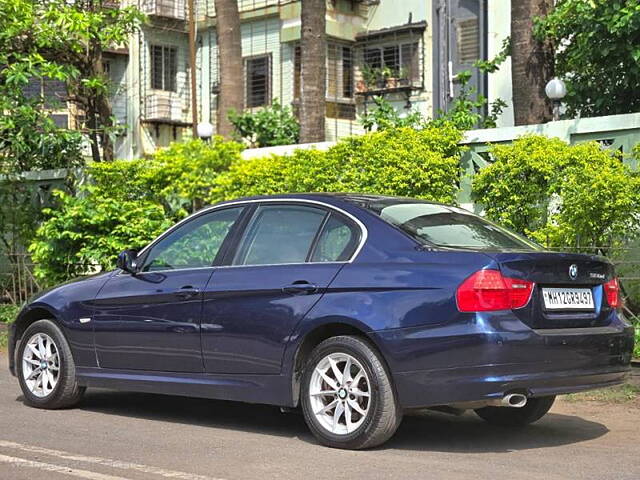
448	226
279	234
193	245
337	242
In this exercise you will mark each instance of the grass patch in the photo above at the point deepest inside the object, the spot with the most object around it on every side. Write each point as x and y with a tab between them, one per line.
619	394
4	340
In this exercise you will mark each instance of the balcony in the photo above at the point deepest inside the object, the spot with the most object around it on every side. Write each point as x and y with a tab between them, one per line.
172	9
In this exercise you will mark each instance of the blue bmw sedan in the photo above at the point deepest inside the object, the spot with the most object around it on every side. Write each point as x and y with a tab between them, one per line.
356	308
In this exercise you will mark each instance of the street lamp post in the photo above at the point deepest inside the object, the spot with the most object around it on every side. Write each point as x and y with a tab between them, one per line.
205	131
556	90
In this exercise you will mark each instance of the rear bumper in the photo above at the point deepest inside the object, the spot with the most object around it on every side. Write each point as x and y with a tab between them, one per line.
424	389
484	360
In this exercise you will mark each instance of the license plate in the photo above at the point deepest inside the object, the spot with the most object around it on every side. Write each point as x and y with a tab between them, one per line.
567	298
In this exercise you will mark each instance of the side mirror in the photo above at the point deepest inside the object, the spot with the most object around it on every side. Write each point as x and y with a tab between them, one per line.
127	261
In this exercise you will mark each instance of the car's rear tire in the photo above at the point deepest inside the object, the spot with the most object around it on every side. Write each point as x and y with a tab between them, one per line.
357	407
534	410
45	368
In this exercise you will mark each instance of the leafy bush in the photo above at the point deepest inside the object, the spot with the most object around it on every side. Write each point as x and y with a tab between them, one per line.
86	234
8	313
125	205
577	196
270	126
385	116
403	161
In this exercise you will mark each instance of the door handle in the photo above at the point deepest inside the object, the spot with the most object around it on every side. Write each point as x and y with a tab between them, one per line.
300	288
185	293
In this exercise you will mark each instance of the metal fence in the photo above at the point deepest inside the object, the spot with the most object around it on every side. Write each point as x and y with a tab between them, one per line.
17	280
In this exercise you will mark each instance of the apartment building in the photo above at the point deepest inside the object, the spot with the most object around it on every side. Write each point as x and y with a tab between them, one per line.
405	50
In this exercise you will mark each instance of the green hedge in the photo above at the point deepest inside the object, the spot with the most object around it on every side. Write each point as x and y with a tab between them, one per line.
404	162
576	196
128	203
8	313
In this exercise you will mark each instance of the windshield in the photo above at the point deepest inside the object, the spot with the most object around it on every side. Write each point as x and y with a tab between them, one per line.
446	226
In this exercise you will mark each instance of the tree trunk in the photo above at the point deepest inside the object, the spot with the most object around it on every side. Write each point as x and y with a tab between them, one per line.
313	76
102	105
231	96
531	63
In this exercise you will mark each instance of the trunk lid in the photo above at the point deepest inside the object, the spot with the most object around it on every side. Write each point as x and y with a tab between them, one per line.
560	280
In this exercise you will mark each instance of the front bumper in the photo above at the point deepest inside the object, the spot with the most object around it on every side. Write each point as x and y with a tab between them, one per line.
482	362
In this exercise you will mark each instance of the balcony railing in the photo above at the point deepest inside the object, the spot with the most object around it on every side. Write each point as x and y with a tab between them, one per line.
175	9
163	106
206	8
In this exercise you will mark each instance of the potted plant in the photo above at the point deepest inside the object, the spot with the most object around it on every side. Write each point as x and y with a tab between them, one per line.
403	77
368	81
383	74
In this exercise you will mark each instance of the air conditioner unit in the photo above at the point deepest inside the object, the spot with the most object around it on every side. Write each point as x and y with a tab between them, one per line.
165	8
163	107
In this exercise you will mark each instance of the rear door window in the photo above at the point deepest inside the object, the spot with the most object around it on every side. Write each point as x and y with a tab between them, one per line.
337	241
279	234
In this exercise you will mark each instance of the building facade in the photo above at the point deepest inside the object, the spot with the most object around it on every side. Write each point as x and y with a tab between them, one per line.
408	51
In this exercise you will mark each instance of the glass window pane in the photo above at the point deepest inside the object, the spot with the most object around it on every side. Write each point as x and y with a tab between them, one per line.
257	81
156	67
332	71
193	245
347	73
279	234
171	70
337	241
373	57
448	226
391	57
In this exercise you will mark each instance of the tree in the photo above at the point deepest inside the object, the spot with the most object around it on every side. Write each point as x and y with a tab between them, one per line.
313	71
231	97
531	63
66	40
600	54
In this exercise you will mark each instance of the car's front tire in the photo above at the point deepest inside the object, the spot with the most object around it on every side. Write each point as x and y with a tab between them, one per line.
348	399
533	410
45	368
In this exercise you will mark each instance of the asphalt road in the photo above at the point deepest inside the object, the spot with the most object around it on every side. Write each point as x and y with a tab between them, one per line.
114	435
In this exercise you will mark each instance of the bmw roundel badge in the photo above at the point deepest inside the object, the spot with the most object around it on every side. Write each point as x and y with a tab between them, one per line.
573	272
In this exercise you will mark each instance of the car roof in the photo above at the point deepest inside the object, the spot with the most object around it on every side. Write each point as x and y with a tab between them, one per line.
360	199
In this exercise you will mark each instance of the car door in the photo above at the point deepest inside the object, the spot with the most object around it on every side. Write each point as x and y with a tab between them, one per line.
285	259
151	320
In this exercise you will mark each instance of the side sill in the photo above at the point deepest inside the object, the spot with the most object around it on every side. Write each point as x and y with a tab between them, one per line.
264	389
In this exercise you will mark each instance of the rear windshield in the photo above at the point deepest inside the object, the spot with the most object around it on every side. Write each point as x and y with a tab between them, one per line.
446	226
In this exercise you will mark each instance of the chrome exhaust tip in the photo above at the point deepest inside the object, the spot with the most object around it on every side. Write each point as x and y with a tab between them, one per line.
514	400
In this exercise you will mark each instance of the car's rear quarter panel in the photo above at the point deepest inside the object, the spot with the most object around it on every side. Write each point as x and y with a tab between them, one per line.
437	355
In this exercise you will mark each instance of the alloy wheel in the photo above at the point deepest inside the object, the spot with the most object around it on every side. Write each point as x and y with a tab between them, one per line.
340	393
41	365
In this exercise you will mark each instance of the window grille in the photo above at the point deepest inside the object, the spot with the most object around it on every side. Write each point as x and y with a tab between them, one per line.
164	67
258	81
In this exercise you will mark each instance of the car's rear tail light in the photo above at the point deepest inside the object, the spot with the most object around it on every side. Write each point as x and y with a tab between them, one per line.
488	290
612	290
